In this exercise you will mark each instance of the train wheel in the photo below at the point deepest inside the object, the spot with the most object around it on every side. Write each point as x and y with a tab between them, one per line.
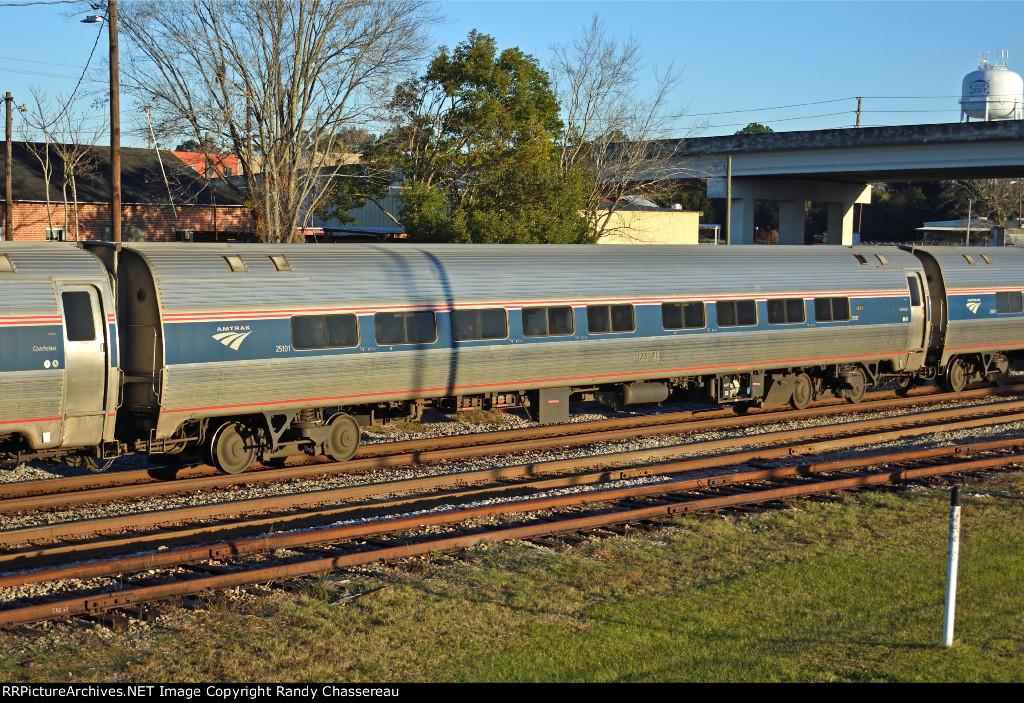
228	448
342	437
803	392
956	375
858	386
903	385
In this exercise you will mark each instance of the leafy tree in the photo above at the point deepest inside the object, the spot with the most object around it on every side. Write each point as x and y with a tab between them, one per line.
756	128
898	209
206	145
474	143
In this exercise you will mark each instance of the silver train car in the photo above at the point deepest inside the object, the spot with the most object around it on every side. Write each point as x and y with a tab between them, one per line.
258	352
58	354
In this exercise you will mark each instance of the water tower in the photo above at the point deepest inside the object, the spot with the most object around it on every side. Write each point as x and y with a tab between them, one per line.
993	92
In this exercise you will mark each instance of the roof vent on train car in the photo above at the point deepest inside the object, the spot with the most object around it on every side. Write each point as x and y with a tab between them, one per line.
280	262
969	258
862	259
6	265
881	259
987	258
235	263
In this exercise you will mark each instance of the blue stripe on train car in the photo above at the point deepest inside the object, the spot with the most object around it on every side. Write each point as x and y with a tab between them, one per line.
976	306
252	340
31	348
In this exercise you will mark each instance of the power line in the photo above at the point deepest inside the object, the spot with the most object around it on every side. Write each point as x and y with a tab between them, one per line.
834	100
760	109
41	74
40	2
45	63
784	119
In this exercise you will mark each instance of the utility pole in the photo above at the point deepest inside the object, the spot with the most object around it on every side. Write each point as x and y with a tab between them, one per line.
115	127
858	113
9	197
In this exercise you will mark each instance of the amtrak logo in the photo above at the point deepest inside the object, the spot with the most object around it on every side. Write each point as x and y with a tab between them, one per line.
232	336
973	304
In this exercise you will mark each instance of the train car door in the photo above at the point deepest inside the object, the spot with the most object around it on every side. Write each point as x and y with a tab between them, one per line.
85	366
918	316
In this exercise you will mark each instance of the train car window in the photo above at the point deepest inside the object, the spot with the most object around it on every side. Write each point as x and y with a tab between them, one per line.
736	313
235	263
78	316
881	259
969	259
602	319
915	291
1009	301
324	331
405	327
783	311
342	331
280	262
481	323
987	258
6	265
547	322
677	316
831	309
862	259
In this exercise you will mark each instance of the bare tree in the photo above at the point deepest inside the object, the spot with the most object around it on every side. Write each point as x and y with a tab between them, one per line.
277	80
998	199
611	128
75	143
35	124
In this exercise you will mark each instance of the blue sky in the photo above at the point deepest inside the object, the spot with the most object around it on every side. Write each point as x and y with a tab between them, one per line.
906	59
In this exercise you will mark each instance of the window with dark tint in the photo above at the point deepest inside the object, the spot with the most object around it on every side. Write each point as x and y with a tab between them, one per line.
1009	301
677	316
324	331
915	291
736	313
405	327
831	309
610	318
78	316
547	322
484	323
782	311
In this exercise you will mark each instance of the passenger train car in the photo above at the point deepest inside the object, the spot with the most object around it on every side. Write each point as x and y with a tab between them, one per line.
258	352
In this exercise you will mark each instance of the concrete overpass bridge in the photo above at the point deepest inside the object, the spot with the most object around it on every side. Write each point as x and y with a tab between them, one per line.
836	166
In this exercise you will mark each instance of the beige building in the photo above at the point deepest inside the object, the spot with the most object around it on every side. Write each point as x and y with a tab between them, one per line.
643	225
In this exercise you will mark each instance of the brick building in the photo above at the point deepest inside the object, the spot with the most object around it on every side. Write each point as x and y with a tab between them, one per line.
157	204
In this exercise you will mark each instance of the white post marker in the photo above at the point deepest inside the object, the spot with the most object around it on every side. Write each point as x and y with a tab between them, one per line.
951	566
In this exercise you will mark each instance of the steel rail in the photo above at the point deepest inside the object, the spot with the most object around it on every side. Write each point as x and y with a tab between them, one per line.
909	425
134	596
166	558
120	492
421	451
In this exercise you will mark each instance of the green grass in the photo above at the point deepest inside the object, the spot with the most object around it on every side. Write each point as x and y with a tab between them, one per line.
847	590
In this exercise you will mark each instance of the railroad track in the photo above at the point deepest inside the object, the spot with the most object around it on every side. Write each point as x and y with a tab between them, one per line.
79	490
675	482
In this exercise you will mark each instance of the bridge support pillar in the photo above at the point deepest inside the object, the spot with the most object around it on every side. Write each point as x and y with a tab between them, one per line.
791	194
840	223
792	218
742	224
